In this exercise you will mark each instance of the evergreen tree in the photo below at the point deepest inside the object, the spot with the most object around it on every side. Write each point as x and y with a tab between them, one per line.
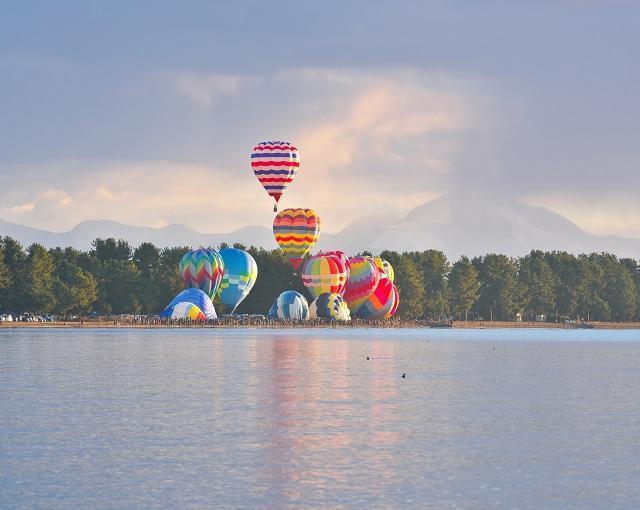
435	271
499	292
410	288
5	280
539	281
465	287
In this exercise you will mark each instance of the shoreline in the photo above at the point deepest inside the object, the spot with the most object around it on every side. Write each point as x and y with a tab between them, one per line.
320	325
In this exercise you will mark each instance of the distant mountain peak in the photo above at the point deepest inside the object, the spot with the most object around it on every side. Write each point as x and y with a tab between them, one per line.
466	222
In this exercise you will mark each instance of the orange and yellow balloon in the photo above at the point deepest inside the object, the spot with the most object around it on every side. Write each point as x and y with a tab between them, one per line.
296	231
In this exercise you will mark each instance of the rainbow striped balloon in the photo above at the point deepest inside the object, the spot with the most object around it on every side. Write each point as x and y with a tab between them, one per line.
379	303
202	269
275	164
363	279
324	273
296	231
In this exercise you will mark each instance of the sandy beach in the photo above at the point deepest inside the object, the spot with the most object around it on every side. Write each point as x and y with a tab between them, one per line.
313	324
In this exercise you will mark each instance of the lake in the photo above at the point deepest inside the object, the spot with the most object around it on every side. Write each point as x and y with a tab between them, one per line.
241	418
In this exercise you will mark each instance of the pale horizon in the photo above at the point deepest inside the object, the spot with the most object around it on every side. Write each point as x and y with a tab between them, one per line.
390	108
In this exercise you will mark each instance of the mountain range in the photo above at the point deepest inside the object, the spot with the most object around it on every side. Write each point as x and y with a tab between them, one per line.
456	223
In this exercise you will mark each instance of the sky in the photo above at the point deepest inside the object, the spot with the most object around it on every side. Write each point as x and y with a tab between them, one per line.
146	112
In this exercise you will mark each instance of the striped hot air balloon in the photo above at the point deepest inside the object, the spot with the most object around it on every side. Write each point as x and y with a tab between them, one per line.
363	279
202	269
275	164
296	231
324	273
379	303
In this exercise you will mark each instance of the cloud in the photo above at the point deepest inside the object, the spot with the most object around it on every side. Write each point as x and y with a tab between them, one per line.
205	89
371	141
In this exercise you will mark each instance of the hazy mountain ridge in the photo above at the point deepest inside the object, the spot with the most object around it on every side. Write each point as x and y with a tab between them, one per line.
460	223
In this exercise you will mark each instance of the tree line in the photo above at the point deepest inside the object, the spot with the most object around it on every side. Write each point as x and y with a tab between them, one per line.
115	278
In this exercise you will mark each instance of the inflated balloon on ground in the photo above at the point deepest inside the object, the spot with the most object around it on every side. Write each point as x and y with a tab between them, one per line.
363	279
195	297
324	273
329	306
379	303
290	305
396	303
202	269
240	274
296	231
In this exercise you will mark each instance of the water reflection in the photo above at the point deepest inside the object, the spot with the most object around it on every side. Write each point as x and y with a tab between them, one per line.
261	419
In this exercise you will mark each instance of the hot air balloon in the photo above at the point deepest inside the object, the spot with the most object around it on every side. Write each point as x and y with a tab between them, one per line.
192	296
379	303
290	305
202	269
396	302
337	253
384	267
324	273
184	310
275	165
329	306
363	279
240	273
296	231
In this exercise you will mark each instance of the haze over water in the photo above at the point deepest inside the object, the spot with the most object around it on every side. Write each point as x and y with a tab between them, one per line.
300	418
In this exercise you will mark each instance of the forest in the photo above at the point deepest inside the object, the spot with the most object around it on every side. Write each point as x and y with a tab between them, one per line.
116	278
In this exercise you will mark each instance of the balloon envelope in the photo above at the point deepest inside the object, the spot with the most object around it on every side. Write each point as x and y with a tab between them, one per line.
329	306
275	164
202	269
363	279
290	305
396	303
385	267
324	273
195	297
240	274
296	231
379	303
185	310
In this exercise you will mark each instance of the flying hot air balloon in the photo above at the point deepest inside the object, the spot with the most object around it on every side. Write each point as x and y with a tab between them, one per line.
296	231
240	274
202	269
363	280
324	273
275	164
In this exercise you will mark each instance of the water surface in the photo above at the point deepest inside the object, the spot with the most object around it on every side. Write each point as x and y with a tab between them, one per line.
189	418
